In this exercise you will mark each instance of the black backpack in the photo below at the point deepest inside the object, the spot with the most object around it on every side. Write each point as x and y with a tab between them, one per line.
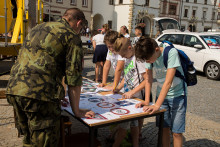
189	70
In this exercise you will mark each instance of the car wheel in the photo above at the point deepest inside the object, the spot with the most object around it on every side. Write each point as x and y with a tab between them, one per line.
212	70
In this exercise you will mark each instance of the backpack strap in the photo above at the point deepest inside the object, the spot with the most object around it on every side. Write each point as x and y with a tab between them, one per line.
165	59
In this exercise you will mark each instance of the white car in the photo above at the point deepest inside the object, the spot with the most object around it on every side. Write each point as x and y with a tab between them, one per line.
202	48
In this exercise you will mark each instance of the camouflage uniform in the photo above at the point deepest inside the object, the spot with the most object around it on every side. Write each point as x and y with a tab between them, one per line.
51	50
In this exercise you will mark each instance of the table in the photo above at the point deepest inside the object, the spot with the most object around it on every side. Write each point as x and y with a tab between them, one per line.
93	127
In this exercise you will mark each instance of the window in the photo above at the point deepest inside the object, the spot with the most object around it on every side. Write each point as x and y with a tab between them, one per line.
187	0
59	1
204	15
174	38
186	13
213	15
193	13
111	2
147	2
195	1
205	1
218	17
110	24
190	41
172	10
85	3
73	2
120	1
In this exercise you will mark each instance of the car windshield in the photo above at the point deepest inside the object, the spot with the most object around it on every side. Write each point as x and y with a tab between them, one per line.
213	41
166	24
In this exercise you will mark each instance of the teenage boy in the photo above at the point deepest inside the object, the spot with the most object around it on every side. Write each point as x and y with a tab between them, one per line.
170	91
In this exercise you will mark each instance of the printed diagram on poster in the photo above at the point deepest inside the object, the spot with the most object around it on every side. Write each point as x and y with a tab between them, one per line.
120	111
106	107
88	86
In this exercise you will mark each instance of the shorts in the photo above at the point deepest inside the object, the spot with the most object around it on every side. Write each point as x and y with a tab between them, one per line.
127	125
174	117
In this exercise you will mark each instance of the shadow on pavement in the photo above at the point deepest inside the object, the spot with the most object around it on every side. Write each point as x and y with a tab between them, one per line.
201	142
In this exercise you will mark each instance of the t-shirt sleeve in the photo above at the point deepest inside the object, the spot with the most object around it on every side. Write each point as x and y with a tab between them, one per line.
141	67
108	55
74	64
120	57
173	59
94	38
148	65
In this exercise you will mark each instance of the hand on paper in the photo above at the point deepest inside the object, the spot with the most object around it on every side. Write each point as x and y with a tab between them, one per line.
102	85
141	104
128	95
151	109
116	90
86	113
108	87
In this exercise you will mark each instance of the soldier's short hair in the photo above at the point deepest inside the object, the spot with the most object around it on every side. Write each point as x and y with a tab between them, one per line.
75	14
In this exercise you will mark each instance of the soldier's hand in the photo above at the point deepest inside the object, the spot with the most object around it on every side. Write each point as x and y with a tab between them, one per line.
86	113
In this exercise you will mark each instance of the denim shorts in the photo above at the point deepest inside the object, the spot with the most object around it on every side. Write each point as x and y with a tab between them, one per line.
174	117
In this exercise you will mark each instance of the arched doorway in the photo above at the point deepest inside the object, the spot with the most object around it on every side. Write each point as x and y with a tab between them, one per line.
98	21
147	28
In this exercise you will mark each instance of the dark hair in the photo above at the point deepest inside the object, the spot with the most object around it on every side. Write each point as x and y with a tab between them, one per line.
111	36
94	32
145	48
106	27
75	14
138	28
125	28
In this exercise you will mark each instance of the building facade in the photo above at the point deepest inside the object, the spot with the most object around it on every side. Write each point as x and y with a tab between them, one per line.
56	8
199	16
118	13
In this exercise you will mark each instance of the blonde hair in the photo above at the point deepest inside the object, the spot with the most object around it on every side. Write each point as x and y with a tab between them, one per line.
120	43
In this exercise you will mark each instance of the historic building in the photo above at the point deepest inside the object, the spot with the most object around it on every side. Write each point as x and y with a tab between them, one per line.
56	8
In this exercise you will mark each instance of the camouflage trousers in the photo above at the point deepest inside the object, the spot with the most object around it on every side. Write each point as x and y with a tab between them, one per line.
39	121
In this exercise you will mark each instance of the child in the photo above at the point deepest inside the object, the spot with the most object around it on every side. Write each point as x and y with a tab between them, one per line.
113	59
170	91
124	32
100	52
138	34
133	83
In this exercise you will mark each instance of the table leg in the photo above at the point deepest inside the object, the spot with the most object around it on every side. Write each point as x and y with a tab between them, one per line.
91	136
160	133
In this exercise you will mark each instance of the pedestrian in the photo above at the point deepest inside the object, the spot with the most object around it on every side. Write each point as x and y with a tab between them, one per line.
87	31
171	91
100	52
113	59
124	31
133	84
51	51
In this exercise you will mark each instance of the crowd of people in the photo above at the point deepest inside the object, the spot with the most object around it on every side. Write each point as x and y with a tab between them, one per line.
35	87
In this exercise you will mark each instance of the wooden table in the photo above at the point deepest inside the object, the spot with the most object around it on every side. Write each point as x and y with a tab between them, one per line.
93	127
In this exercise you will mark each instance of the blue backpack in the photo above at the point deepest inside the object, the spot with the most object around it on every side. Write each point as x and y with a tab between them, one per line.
189	70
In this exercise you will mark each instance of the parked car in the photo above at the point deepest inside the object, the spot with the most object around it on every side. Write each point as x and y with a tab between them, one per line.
202	48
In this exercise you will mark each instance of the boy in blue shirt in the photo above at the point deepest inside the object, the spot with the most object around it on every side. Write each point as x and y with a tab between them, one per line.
170	91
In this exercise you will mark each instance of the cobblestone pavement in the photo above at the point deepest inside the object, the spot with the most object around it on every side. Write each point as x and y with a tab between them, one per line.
202	120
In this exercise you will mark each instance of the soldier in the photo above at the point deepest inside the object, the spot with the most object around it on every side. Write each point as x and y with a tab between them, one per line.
51	50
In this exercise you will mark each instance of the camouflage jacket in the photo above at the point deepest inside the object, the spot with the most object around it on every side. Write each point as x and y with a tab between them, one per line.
51	50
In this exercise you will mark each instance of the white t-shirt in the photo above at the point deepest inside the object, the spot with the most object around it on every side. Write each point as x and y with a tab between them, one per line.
135	40
127	35
99	39
87	30
131	75
113	58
